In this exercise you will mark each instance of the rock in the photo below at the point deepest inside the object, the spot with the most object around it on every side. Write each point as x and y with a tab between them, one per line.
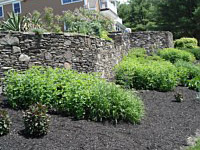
68	55
9	40
48	56
67	43
24	58
67	65
16	49
1	90
6	68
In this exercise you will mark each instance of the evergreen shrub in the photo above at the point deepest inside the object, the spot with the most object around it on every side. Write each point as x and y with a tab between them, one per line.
186	43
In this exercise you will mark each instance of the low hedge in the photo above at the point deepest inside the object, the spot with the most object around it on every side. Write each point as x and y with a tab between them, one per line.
195	52
174	55
83	96
195	83
142	73
186	43
187	71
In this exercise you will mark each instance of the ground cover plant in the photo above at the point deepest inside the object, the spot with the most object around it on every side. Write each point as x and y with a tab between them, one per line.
5	122
143	72
174	55
83	96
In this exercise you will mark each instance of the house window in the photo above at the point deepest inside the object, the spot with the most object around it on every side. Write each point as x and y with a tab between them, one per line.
1	12
17	7
69	1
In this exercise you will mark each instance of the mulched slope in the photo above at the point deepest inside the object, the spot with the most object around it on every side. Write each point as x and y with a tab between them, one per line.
166	126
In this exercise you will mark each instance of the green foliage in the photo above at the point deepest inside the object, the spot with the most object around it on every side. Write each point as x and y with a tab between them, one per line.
195	52
196	146
186	43
173	55
187	71
35	20
138	14
36	120
87	22
137	52
141	52
51	22
15	22
142	73
195	83
38	31
4	122
104	35
83	96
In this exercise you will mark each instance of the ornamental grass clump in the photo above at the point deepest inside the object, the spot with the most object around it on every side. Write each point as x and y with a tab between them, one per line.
80	95
36	120
144	73
173	55
5	122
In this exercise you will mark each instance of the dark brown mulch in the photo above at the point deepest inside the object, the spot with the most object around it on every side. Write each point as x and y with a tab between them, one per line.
166	126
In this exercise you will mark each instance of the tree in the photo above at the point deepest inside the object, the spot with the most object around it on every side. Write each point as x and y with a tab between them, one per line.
138	14
182	17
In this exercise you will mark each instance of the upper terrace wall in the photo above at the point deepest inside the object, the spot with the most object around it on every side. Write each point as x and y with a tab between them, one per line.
83	53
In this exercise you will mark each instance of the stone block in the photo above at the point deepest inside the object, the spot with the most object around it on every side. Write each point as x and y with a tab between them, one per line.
24	58
9	40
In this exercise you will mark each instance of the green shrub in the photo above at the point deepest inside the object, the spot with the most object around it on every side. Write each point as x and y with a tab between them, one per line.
195	52
4	122
137	52
83	96
186	43
187	71
195	83
36	120
142	73
174	55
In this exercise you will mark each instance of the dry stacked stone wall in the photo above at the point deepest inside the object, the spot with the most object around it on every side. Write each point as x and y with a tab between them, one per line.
82	53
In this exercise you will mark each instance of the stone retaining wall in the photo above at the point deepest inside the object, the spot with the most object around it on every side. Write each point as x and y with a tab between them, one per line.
82	53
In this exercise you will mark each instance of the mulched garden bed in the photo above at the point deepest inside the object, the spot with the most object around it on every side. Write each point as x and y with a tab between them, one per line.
166	126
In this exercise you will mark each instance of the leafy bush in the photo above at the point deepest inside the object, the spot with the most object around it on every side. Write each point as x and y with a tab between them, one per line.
174	55
36	120
83	96
87	22
4	122
195	52
195	83
187	71
186	43
137	52
142	73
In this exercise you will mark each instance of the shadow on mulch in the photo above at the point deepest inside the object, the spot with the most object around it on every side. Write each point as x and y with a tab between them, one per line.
166	126
28	136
